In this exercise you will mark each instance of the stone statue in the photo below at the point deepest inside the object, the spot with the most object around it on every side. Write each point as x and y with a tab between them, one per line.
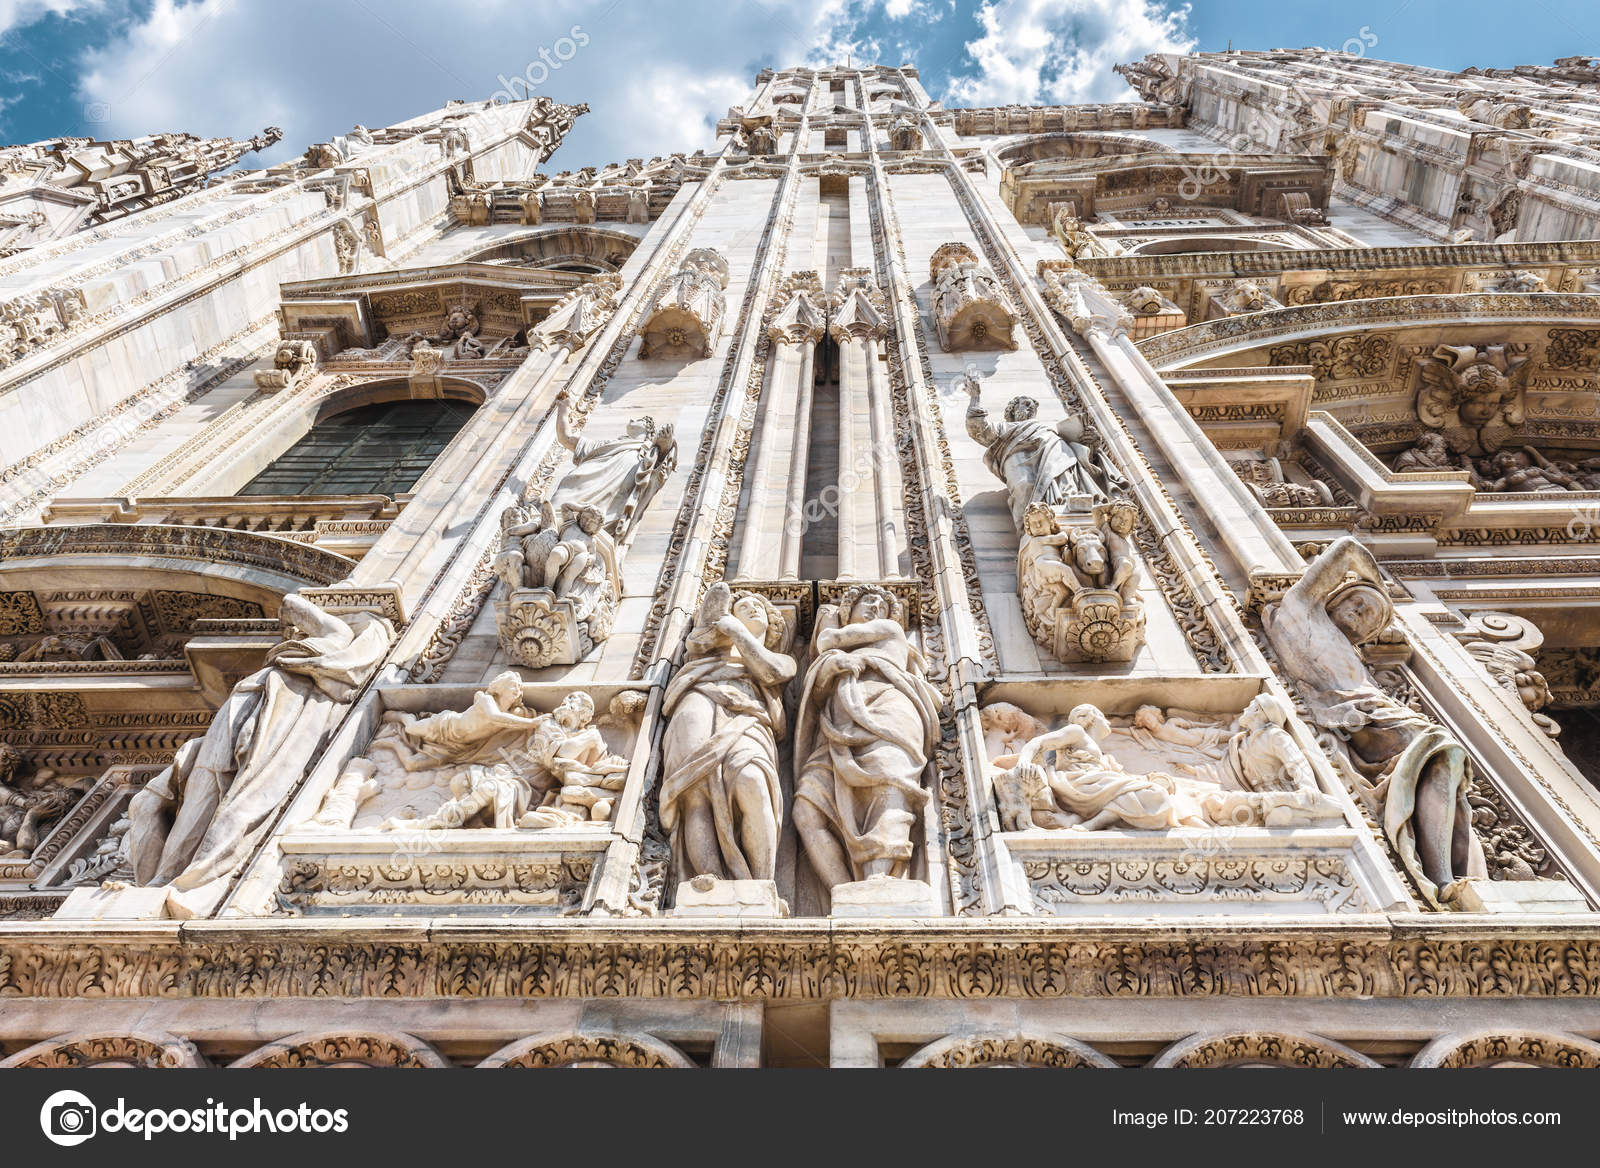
1244	772
720	802
560	558
1474	392
1078	580
1267	779
29	805
868	720
1409	766
616	476
1038	464
195	823
569	746
1266	479
1525	471
1431	452
1086	789
506	766
64	647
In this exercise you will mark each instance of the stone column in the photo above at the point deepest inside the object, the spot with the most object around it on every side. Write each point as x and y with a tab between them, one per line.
859	326
774	500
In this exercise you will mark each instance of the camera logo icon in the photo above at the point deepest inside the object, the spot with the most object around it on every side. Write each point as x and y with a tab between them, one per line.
68	1118
97	112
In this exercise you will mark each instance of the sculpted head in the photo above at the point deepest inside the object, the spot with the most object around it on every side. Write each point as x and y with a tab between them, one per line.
1021	408
1263	711
590	520
505	689
575	711
1510	460
1092	720
1088	550
1009	721
1039	520
1360	610
760	616
866	603
1149	717
1432	443
1121	517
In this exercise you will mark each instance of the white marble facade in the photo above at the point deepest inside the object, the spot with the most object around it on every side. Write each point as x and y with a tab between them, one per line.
1121	562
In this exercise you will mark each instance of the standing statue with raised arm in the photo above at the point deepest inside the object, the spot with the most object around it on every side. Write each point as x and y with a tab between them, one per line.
616	476
1038	464
1408	766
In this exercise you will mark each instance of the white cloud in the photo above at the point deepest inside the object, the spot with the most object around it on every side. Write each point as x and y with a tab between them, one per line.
21	13
1062	51
656	78
654	85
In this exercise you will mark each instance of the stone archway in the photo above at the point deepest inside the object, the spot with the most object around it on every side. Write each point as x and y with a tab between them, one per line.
1260	1048
1510	1048
1015	1049
342	1048
150	1050
587	1049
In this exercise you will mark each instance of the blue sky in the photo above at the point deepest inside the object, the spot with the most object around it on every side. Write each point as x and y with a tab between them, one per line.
657	75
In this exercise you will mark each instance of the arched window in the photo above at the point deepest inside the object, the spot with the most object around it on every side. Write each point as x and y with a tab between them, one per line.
379	449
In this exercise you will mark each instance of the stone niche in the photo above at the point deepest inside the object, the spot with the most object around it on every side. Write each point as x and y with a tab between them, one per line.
509	807
1141	797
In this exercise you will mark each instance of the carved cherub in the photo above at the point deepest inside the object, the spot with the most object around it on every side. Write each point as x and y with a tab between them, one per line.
1472	387
577	550
528	532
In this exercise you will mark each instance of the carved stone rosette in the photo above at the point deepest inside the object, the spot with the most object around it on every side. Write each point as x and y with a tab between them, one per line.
539	628
970	309
686	317
1075	577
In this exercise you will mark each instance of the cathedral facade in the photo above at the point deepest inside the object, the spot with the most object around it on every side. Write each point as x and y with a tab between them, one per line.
1103	585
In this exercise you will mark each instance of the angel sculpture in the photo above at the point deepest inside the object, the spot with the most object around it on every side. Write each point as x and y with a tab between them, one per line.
1473	389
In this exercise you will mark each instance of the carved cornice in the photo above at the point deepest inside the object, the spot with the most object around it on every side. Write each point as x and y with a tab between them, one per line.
215	545
803	960
1185	346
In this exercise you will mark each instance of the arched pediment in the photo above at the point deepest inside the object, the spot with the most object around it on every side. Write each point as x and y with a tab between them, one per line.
559	247
587	1049
154	552
1014	1049
344	1048
1036	147
1260	1048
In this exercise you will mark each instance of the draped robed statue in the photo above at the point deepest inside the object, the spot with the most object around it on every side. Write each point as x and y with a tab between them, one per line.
1038	464
868	722
1406	765
195	824
721	805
